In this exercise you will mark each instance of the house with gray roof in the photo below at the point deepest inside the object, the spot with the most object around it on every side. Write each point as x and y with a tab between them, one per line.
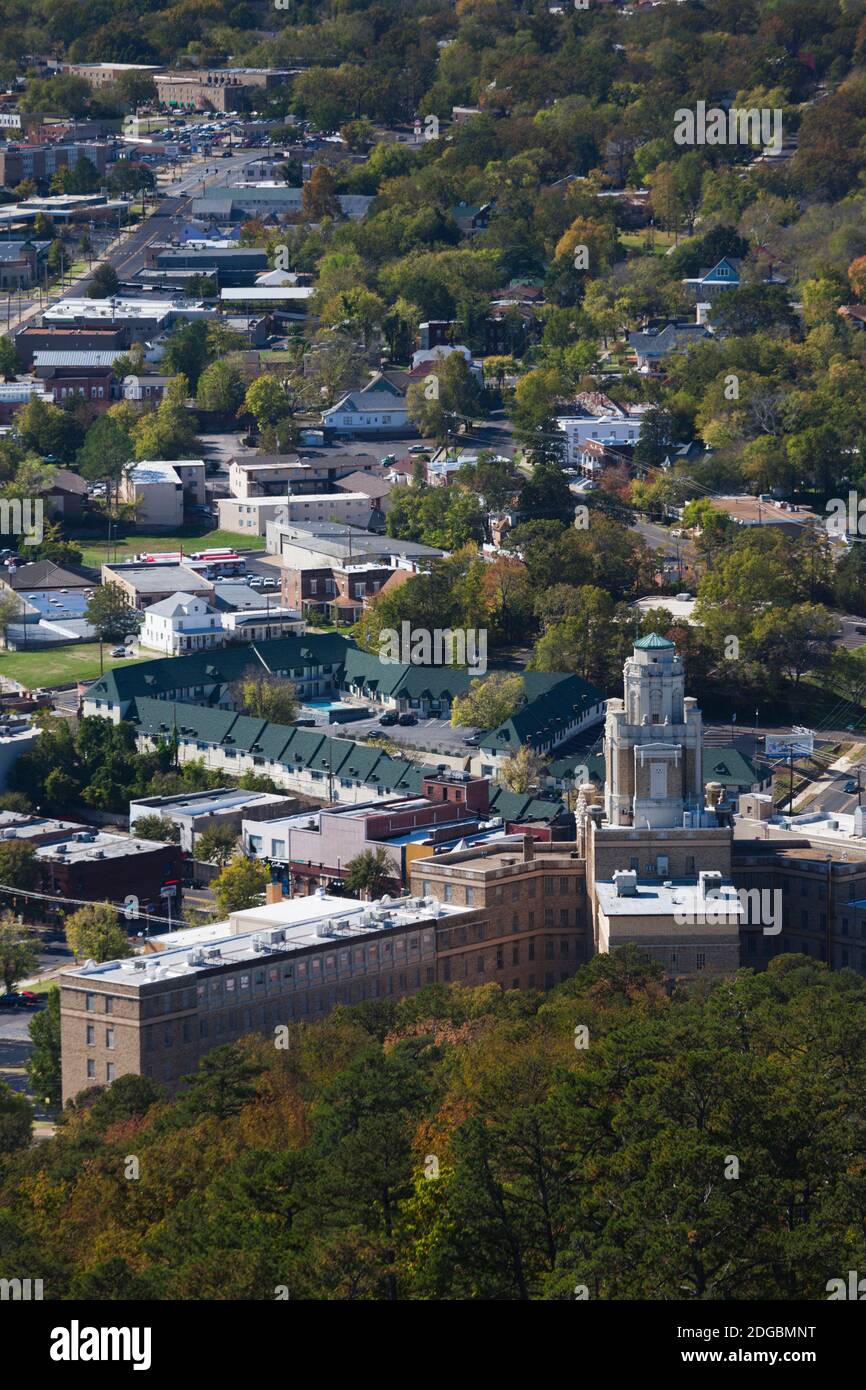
652	347
377	410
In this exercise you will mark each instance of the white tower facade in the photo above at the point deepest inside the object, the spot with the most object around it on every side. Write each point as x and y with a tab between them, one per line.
653	743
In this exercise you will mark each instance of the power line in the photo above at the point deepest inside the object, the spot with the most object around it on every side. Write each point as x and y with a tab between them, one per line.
91	902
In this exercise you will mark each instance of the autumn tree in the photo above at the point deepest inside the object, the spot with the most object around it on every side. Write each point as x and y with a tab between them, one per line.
94	933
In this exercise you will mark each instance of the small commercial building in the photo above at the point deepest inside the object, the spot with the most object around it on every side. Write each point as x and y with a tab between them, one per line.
144	584
195	812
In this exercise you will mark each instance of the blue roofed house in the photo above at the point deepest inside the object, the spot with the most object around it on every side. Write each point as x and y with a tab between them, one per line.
724	275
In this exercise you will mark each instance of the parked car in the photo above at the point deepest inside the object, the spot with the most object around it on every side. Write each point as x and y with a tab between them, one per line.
407	719
418	449
26	999
389	718
849	787
118	651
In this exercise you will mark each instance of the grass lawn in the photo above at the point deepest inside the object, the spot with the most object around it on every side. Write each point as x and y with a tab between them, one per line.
639	241
47	668
188	538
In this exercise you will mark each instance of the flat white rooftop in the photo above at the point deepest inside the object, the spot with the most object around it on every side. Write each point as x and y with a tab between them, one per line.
297	294
659	900
160	470
263	933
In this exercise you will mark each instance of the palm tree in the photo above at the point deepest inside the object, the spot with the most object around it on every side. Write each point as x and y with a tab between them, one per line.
370	873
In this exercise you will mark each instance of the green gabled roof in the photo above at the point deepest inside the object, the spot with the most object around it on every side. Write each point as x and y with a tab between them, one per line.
297	749
565	767
728	766
519	806
246	731
653	643
159	718
543	716
309	749
170	673
410	681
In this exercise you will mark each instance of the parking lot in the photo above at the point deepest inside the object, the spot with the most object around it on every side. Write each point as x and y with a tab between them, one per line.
428	735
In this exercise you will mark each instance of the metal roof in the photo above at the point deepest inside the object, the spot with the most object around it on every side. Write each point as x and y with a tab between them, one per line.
96	357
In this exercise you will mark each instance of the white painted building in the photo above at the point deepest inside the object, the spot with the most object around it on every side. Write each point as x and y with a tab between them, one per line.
182	623
161	487
186	623
253	514
604	429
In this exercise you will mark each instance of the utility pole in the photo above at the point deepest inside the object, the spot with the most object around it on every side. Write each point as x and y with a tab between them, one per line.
791	792
829	946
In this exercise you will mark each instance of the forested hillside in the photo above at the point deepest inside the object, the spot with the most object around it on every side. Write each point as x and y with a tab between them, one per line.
478	1144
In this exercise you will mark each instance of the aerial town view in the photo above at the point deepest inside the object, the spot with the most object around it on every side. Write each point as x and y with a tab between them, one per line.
433	666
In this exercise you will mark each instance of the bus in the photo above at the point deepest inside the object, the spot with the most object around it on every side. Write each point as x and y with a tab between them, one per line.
220	561
211	563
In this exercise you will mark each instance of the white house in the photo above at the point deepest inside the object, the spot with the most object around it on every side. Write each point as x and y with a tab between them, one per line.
434	355
603	429
377	410
184	623
181	623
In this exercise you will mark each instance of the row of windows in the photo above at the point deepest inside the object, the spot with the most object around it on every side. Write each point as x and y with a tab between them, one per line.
90	1002
91	1070
567	886
256	1016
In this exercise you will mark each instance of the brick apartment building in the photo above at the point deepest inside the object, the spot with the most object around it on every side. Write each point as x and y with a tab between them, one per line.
67	380
533	926
516	916
18	161
76	861
218	89
32	340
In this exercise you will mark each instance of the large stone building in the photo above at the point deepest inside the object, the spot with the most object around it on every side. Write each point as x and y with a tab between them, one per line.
658	856
653	863
218	89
